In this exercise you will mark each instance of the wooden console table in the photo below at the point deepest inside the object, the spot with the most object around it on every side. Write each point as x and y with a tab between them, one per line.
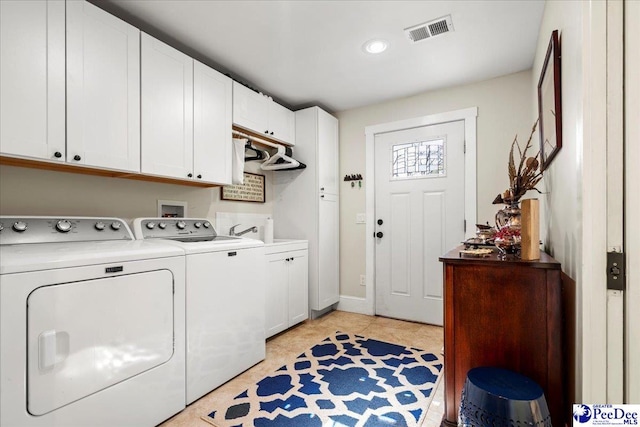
502	313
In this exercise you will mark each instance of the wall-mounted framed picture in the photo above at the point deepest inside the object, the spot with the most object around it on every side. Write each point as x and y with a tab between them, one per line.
251	191
550	104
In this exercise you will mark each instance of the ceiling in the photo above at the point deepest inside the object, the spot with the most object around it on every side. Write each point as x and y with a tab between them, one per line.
310	52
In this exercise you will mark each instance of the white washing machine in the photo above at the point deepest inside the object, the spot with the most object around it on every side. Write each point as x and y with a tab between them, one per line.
225	291
91	324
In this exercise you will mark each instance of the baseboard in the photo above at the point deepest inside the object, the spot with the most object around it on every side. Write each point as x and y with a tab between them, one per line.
354	305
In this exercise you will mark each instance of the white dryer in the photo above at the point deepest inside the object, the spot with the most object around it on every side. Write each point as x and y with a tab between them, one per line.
225	294
91	324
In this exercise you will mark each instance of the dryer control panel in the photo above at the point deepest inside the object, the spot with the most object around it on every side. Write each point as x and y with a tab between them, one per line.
37	229
181	229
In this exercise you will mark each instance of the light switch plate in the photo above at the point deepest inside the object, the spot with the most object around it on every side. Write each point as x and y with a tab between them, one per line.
361	218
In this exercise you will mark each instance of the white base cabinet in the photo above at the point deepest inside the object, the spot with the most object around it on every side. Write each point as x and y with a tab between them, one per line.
287	296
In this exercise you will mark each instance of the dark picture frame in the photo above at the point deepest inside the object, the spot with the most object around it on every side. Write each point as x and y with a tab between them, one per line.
251	191
550	104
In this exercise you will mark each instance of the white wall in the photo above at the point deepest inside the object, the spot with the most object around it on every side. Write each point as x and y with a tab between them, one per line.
504	110
561	227
25	191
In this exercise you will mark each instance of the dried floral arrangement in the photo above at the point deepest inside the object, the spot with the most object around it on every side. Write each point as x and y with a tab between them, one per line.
526	177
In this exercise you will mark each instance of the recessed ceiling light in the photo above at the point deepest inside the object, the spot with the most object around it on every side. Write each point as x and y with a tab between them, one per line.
375	46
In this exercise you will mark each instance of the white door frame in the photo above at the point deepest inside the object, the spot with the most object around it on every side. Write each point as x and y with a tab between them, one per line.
470	177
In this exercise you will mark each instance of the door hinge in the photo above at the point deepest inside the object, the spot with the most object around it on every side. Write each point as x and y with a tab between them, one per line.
615	271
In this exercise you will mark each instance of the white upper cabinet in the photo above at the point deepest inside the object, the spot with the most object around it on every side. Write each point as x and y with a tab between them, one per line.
259	113
103	89
250	109
212	118
32	79
167	110
282	123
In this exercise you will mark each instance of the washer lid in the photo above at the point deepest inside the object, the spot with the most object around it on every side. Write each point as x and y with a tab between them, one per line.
211	246
46	256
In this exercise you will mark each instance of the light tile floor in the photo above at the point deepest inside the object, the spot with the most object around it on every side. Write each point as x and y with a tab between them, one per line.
289	344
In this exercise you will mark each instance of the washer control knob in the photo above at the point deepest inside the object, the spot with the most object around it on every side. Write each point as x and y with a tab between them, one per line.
115	226
63	226
162	225
197	225
206	224
19	226
1	226
181	225
151	225
99	226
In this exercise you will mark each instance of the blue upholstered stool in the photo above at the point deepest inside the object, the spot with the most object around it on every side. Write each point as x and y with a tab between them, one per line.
497	397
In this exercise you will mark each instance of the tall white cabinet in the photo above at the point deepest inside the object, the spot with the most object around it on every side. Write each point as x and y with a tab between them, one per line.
32	79
306	205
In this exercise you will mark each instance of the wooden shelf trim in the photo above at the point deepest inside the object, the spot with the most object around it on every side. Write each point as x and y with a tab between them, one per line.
64	167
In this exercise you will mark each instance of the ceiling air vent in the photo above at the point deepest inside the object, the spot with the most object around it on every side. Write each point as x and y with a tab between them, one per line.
429	29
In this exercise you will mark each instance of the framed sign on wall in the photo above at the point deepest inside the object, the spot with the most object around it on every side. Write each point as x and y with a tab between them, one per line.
251	191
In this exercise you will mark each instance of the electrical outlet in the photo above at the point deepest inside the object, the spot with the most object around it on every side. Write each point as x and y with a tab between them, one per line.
362	280
361	218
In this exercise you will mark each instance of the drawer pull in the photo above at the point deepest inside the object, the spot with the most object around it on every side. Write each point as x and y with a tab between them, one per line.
234	253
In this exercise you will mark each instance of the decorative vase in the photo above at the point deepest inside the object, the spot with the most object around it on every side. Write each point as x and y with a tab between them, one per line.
508	223
509	216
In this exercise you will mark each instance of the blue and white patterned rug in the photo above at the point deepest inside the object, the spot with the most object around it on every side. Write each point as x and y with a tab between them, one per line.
347	380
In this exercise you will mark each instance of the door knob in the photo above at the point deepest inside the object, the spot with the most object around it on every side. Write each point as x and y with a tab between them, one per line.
77	158
379	234
380	222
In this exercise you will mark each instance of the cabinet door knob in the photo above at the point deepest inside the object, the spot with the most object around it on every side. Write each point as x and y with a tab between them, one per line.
57	154
266	131
380	222
190	175
199	176
77	158
271	133
322	196
379	234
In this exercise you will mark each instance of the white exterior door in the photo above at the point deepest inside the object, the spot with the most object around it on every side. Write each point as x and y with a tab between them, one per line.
419	214
32	80
212	116
103	89
167	110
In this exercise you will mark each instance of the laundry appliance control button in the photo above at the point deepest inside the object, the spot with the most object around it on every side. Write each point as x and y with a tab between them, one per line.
151	225
115	226
197	225
63	226
206	225
181	225
162	225
99	226
20	226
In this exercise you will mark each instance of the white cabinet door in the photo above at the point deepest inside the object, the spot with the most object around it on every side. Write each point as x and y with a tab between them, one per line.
327	152
167	110
328	287
298	266
281	123
32	80
276	294
103	89
250	109
212	121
